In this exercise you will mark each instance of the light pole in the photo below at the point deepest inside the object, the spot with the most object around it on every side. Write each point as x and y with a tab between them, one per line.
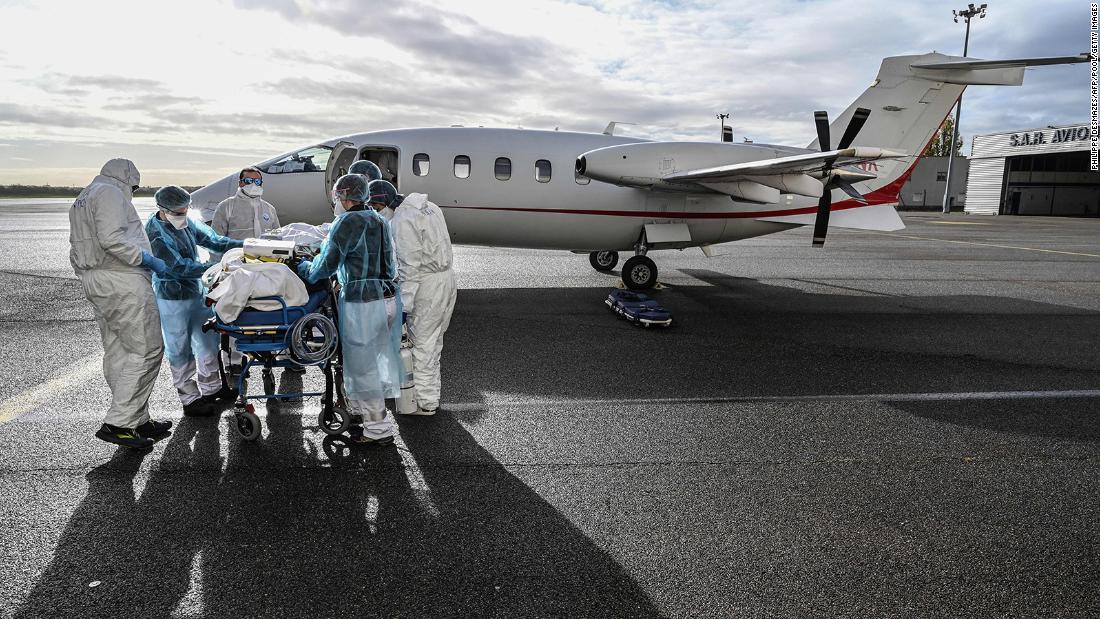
967	13
722	136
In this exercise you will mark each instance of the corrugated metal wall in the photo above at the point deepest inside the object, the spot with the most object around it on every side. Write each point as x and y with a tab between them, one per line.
983	186
987	163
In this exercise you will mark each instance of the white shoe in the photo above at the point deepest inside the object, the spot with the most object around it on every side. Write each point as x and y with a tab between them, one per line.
422	412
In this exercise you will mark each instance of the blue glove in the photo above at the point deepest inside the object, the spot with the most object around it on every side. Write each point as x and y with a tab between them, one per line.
154	264
303	269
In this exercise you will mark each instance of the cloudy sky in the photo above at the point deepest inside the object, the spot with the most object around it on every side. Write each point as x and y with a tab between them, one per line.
193	90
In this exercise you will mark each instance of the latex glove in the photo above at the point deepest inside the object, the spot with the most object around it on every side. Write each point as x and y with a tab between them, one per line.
154	264
303	269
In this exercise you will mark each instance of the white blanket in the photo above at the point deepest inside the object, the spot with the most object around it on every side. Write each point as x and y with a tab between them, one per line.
238	287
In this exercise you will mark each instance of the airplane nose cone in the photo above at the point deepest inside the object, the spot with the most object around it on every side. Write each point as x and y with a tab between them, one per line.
581	165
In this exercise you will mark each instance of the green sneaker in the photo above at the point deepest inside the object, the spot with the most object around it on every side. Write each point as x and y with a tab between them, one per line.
127	437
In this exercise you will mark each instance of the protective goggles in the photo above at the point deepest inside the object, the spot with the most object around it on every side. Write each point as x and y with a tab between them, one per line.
379	198
259	182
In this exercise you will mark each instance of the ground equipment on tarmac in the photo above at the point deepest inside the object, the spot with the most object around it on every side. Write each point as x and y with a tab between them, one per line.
638	308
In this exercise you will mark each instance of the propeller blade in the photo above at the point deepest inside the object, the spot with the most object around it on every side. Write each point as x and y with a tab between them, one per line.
821	225
847	188
853	128
821	119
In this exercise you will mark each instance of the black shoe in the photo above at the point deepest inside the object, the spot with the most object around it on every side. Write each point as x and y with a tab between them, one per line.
154	429
123	436
198	408
225	394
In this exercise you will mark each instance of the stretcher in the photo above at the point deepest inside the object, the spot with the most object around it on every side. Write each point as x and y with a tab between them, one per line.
290	337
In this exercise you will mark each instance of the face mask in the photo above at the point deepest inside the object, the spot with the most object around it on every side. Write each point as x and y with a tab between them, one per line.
386	212
252	191
179	222
338	208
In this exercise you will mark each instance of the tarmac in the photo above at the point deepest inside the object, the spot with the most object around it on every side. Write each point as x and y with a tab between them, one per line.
899	424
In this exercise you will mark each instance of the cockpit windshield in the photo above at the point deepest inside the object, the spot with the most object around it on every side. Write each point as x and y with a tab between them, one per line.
312	159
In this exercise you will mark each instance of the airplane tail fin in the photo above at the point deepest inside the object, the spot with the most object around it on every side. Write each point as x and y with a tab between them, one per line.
909	101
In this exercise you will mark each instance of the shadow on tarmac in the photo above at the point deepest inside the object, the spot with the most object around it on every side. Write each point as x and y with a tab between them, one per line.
276	532
276	535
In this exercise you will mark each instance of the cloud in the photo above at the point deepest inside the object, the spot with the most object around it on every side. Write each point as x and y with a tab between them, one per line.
435	37
14	114
317	70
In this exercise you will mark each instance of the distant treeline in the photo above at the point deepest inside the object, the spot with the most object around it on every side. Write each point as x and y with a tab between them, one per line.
49	191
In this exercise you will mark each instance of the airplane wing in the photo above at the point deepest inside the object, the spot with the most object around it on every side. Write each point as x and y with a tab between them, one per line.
808	163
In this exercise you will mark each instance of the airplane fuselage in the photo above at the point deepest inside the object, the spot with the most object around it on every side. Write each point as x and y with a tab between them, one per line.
518	188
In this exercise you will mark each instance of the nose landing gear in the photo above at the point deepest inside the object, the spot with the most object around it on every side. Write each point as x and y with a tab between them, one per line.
603	261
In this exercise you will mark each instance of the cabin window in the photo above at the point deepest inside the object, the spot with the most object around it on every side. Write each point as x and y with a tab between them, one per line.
542	171
581	178
462	166
502	169
420	164
313	159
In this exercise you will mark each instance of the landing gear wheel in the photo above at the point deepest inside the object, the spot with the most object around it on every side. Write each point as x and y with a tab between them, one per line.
603	261
333	421
248	425
639	273
269	381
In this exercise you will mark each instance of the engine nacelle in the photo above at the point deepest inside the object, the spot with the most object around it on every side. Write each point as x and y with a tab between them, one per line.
646	164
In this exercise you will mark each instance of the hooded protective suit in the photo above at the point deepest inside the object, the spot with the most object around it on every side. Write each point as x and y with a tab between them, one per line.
106	243
359	252
192	354
428	290
241	217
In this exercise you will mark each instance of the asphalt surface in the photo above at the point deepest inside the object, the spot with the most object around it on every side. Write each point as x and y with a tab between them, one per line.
901	424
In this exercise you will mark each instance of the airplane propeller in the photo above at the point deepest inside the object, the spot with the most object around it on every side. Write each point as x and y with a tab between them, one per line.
833	178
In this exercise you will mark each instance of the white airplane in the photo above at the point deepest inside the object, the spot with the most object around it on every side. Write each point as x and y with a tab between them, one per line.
602	194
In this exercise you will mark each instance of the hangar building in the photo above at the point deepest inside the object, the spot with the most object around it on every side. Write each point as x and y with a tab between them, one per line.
1033	172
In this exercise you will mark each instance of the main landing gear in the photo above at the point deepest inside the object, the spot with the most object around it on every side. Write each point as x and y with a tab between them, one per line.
639	272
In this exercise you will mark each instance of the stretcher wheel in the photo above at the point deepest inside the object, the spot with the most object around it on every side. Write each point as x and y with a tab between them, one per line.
333	420
248	425
269	381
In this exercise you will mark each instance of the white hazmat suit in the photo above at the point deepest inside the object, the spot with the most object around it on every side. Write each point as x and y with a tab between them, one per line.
106	241
428	292
241	217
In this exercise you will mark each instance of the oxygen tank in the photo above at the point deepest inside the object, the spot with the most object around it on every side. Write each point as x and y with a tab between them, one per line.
406	404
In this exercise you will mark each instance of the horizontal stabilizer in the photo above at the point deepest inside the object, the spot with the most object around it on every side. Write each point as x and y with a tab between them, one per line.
973	71
882	217
974	63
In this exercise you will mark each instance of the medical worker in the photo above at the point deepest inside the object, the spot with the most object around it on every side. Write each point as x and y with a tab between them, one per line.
367	168
245	214
359	252
111	256
241	216
192	354
428	292
380	194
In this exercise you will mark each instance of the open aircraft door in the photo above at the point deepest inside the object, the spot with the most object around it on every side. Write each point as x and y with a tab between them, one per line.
343	155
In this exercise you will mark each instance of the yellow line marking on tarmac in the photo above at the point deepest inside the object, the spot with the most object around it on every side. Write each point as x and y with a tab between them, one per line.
1047	251
71	376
